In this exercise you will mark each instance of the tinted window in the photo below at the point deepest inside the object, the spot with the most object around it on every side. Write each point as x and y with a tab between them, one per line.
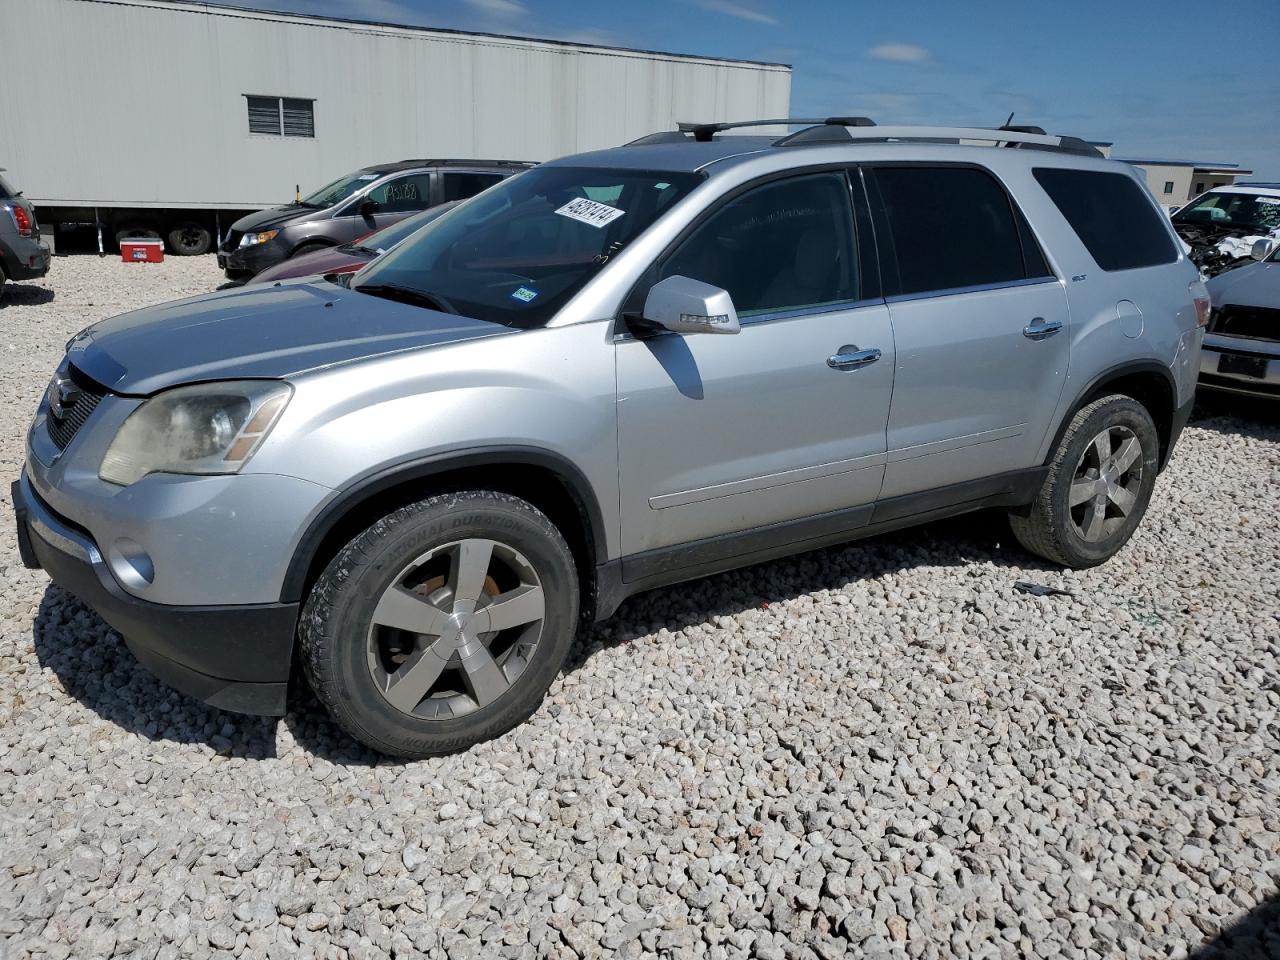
949	227
517	253
782	246
339	190
1112	215
403	194
459	186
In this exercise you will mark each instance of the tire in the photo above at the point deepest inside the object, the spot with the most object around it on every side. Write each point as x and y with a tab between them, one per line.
405	569
189	240
1093	529
136	232
3	281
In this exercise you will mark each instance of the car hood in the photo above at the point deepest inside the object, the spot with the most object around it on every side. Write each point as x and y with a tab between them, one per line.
329	260
248	332
1255	285
273	217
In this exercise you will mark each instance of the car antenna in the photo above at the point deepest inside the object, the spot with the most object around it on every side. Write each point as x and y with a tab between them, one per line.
297	188
1010	120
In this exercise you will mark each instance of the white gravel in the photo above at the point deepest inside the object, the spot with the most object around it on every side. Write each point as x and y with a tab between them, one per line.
880	750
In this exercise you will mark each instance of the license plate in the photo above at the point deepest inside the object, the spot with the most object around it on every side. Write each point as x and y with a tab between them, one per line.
1243	366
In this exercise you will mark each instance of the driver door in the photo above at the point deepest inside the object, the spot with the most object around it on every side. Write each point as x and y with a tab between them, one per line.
757	434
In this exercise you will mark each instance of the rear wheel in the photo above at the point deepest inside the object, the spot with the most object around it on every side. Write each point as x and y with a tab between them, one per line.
190	240
1099	484
442	624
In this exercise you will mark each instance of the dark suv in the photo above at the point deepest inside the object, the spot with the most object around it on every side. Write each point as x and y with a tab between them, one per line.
366	200
22	255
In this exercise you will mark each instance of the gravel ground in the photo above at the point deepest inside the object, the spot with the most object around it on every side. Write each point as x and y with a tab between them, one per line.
881	750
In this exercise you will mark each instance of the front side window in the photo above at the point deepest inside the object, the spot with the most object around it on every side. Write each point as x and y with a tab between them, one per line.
953	227
461	185
281	116
1112	215
406	194
786	245
518	252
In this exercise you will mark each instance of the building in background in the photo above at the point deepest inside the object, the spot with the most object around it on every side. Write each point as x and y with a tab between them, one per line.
159	114
1174	182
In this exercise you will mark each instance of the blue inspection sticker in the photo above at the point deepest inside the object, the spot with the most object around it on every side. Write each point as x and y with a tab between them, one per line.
524	294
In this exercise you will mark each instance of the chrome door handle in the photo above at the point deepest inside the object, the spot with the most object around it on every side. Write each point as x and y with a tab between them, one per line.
850	357
1039	328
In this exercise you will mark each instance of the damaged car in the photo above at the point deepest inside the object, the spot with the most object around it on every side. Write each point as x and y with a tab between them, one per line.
1222	225
1241	353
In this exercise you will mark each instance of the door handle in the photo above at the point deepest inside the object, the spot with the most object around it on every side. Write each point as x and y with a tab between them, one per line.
1039	328
850	357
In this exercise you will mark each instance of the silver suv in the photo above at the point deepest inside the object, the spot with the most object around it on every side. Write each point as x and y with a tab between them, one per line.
612	372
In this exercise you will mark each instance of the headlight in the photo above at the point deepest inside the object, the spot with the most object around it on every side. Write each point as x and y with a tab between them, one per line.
206	428
253	239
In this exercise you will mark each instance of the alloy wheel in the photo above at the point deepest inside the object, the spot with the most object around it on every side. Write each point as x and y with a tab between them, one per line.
455	629
1105	486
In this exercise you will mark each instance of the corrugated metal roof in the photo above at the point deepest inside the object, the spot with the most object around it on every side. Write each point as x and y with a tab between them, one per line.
197	6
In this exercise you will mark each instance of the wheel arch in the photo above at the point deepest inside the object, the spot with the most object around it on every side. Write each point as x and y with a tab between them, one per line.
548	481
1147	381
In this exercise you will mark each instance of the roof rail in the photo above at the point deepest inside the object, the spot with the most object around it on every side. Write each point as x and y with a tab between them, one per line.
1025	137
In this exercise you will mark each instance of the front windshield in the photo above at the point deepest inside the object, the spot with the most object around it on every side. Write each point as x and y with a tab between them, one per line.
1239	210
519	251
340	189
388	237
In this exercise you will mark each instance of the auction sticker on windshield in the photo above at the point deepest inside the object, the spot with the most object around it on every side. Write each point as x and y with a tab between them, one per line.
590	212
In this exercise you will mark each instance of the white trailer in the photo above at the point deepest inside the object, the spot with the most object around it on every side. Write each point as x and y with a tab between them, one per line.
159	115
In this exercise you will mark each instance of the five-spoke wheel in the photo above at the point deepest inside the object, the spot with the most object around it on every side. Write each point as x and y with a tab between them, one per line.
1098	485
442	624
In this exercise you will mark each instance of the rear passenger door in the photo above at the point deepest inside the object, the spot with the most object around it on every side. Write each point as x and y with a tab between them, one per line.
979	322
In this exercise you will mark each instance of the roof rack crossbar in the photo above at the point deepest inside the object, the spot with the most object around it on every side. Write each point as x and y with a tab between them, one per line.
703	132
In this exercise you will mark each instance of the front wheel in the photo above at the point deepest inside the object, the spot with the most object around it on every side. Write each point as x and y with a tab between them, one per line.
442	624
1099	484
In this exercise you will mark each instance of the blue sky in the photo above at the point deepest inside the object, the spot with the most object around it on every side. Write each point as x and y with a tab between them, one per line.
1160	80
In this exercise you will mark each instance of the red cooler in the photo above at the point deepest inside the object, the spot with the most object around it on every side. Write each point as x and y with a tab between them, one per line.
142	251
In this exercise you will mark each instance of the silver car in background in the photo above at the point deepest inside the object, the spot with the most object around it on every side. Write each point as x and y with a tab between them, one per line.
615	371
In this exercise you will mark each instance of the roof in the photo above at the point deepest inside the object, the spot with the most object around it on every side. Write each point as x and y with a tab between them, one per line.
415	164
1198	164
225	9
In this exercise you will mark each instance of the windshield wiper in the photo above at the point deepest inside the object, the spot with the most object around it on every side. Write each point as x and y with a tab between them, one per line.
393	291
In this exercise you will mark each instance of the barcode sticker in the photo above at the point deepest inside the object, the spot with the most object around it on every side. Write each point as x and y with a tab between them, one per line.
590	212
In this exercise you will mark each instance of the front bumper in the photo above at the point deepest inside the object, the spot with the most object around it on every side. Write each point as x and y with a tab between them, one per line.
243	262
25	258
1240	365
231	657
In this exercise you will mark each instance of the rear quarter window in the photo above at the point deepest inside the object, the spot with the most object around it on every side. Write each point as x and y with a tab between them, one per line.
1111	215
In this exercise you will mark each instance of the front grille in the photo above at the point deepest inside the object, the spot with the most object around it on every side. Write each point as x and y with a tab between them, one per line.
1255	323
232	241
80	397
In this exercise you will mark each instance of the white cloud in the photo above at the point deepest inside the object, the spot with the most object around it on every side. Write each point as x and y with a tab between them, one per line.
732	9
500	8
900	52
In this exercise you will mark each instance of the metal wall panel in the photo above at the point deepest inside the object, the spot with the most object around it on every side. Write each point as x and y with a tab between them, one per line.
142	103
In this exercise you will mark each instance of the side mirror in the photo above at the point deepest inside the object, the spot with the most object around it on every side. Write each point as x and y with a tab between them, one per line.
684	305
369	207
1262	248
